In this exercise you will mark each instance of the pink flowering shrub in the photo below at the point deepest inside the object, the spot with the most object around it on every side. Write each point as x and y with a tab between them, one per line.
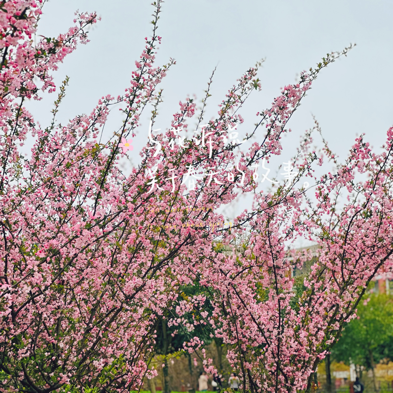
90	256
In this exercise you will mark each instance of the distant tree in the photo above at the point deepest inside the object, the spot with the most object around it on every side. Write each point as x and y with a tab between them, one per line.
384	352
367	340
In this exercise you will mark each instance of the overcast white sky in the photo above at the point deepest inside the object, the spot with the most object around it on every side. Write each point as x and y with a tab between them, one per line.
352	96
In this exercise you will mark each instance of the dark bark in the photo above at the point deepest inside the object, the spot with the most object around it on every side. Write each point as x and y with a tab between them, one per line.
328	374
218	343
316	380
312	383
189	363
165	353
373	370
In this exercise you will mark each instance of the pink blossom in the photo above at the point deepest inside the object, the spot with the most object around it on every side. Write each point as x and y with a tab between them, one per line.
126	145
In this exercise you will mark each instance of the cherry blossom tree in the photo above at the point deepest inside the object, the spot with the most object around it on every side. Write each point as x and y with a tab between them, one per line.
277	338
90	255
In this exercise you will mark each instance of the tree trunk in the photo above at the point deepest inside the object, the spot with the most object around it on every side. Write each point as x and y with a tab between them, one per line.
328	374
316	380
312	384
166	376
308	389
373	370
165	351
189	363
152	385
218	343
360	372
192	385
312	378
